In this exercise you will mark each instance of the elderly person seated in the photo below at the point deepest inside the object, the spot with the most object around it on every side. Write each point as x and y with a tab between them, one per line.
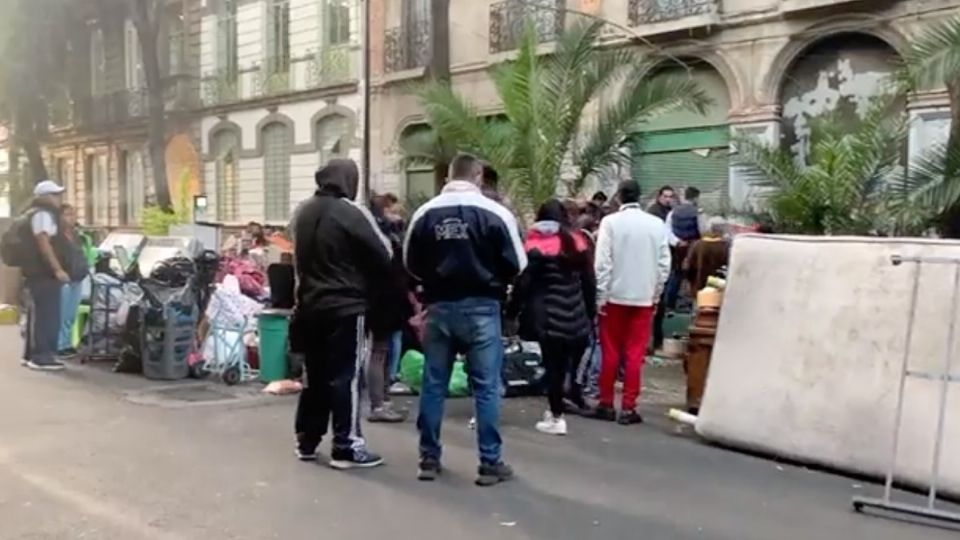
707	255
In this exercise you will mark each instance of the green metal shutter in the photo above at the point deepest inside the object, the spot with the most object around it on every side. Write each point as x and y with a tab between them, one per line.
698	157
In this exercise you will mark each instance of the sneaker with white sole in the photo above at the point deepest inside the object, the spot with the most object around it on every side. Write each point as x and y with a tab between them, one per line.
46	365
357	458
307	455
552	425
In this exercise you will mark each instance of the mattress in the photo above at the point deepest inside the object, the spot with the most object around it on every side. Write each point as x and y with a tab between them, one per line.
810	348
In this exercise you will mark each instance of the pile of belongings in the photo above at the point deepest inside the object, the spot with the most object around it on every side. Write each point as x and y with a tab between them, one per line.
251	278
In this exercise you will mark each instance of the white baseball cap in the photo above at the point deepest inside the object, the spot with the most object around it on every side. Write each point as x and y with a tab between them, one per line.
47	187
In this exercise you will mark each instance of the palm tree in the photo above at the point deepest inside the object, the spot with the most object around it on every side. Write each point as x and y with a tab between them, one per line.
852	182
545	99
931	61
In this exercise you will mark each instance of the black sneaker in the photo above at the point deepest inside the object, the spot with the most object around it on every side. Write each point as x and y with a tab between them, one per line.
607	414
491	475
307	455
429	470
359	458
46	365
630	418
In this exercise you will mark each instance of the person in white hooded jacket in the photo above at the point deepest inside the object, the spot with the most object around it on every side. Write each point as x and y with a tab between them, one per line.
632	267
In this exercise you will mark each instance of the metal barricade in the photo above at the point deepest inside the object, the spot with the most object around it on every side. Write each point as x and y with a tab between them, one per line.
944	377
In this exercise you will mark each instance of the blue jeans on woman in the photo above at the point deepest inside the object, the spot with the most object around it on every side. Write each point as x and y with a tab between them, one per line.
472	327
396	350
70	296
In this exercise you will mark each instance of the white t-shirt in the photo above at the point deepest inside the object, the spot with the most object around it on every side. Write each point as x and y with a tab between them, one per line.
43	222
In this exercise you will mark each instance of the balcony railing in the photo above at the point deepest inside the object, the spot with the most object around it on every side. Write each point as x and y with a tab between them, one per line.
273	77
655	11
406	47
219	88
332	65
110	109
509	19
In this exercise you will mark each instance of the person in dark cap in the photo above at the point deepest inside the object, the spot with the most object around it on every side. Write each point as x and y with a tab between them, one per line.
341	256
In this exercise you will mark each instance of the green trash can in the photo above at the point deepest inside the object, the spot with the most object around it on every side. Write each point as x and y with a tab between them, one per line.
274	327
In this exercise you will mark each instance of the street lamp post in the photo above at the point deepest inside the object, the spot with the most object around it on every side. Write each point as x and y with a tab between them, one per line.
367	99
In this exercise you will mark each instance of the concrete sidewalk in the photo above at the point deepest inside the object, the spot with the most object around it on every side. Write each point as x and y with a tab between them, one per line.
78	459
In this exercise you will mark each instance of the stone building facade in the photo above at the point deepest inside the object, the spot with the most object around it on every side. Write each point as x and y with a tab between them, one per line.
262	92
769	65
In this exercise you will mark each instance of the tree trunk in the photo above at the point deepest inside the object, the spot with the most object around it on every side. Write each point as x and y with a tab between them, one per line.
146	18
16	185
439	68
26	135
38	168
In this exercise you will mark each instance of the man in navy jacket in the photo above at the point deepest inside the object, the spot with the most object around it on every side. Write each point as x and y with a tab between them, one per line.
465	249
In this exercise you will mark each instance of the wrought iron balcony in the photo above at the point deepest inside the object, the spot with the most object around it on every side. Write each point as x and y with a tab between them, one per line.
273	77
656	11
406	47
111	109
508	20
332	65
219	88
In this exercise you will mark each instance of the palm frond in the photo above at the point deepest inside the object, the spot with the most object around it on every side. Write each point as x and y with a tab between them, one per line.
766	166
933	59
641	99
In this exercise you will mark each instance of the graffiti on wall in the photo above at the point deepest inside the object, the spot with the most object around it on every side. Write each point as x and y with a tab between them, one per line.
841	74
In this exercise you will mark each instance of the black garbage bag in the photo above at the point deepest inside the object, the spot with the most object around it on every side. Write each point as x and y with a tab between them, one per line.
174	272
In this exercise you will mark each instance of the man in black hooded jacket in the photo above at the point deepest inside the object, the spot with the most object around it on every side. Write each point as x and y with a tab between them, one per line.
340	256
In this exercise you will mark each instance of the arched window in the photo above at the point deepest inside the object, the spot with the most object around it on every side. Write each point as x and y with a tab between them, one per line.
277	146
331	137
420	182
226	149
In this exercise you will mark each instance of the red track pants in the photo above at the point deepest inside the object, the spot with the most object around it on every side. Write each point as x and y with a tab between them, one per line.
623	330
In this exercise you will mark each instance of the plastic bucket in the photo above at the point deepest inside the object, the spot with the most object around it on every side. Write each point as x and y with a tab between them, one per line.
274	326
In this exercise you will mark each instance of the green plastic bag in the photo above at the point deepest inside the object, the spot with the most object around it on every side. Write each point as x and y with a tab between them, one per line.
458	381
411	374
411	370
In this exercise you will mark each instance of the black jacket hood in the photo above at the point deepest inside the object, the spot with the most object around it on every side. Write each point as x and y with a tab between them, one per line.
339	177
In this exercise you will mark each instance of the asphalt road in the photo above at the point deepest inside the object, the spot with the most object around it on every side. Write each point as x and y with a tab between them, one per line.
83	455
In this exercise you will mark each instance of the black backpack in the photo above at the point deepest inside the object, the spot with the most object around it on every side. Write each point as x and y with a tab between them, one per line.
16	246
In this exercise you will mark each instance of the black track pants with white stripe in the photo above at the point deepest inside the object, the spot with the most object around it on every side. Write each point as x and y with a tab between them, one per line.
334	351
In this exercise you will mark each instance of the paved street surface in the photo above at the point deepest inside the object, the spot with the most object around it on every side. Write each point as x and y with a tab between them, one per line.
92	455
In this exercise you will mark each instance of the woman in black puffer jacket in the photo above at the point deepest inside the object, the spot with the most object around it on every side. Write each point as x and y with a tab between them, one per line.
389	310
555	299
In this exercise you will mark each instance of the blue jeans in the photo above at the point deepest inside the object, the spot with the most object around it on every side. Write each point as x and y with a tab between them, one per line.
591	368
472	327
43	319
396	350
69	303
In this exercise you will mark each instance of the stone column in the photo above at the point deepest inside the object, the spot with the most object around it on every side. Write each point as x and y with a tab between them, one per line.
762	124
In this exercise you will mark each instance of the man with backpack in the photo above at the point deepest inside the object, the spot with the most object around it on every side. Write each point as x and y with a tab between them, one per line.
35	244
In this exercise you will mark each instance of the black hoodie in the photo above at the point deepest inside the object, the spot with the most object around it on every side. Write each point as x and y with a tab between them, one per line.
340	252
